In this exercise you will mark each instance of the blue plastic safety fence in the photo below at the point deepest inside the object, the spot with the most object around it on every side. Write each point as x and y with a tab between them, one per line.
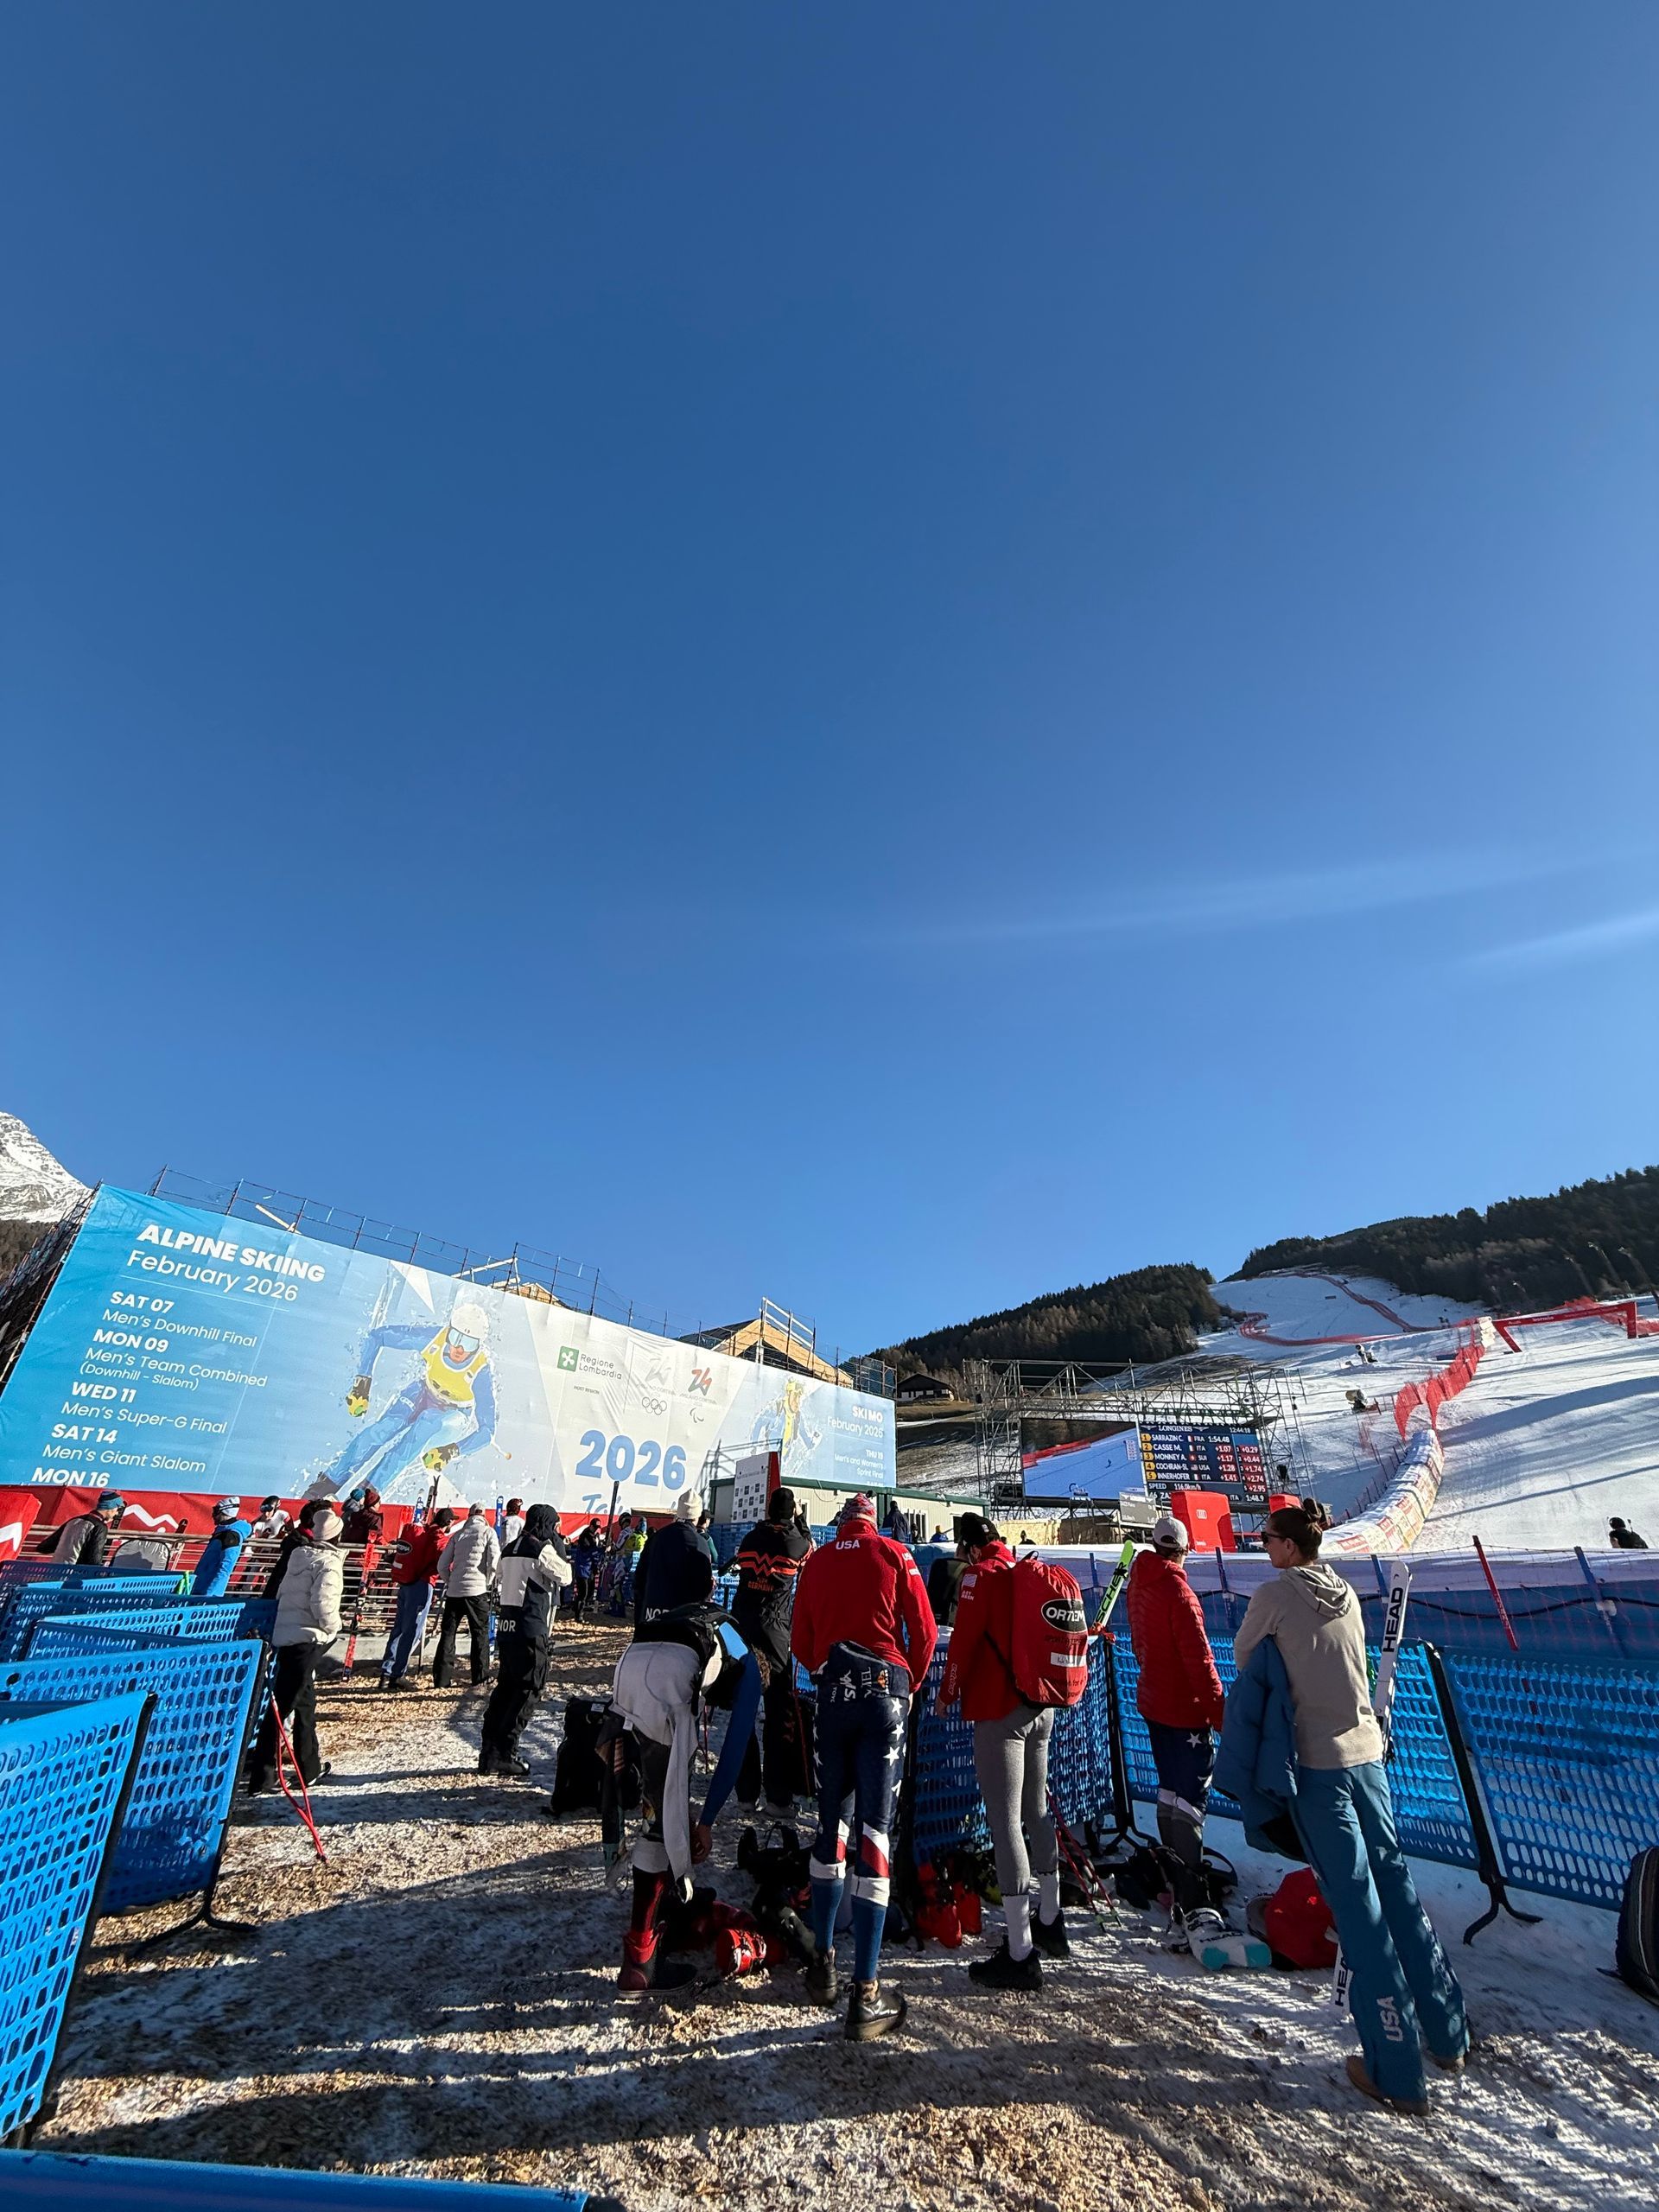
1582	1616
172	1829
1566	1757
15	1573
213	1620
947	1808
1429	1812
950	1811
1080	1748
35	1601
64	1771
1430	1816
53	2180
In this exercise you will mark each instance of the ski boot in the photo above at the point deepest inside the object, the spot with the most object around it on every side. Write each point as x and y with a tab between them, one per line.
645	1968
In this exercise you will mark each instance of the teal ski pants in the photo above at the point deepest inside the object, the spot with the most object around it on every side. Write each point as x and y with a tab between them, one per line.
1403	1986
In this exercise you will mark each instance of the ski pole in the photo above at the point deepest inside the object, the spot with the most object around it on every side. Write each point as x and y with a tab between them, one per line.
1497	1595
302	1804
1083	1871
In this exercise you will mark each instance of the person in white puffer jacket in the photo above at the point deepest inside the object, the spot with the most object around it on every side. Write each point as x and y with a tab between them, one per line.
308	1621
467	1575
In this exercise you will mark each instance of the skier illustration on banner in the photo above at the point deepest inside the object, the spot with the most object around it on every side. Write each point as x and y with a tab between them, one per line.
446	1410
781	1428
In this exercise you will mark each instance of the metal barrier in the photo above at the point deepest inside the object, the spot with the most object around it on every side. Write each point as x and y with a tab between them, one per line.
65	1771
1567	1758
54	2181
173	1832
69	1633
32	1601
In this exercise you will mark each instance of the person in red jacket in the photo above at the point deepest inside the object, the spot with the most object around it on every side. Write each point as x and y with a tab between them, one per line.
863	1630
1179	1698
413	1576
1011	1742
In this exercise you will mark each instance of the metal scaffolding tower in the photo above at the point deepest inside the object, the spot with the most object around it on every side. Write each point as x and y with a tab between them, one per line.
1200	1392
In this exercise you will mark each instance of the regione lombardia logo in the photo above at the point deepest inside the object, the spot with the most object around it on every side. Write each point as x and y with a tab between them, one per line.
569	1356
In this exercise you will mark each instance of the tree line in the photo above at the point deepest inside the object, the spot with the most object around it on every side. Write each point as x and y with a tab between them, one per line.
1148	1314
1597	1239
17	1237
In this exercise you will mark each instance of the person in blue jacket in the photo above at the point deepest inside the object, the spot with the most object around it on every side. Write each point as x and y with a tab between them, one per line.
446	1410
219	1554
1404	1992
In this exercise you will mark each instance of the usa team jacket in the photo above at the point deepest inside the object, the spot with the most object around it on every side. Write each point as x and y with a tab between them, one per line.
862	1588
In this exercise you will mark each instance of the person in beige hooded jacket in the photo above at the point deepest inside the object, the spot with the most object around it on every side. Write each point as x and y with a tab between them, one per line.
1404	1994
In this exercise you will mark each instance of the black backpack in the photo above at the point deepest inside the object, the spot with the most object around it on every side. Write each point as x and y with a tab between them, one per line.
697	1627
578	1776
1636	1949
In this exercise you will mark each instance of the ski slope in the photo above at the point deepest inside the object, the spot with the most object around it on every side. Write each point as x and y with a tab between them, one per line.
1548	1442
1544	1446
1291	1311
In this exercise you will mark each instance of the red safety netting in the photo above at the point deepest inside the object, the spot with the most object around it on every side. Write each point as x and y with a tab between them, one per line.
1446	1382
1619	1311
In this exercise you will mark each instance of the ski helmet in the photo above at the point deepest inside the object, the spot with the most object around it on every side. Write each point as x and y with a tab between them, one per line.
469	1319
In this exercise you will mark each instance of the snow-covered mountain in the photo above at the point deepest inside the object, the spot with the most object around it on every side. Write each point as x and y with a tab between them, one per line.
33	1186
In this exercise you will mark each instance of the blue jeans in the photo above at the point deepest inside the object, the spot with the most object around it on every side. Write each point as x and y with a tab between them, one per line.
414	1601
859	1748
1403	1985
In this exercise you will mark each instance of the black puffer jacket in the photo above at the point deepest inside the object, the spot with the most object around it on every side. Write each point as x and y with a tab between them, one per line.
534	1568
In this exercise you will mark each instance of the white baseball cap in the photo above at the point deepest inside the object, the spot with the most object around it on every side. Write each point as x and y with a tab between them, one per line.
1170	1535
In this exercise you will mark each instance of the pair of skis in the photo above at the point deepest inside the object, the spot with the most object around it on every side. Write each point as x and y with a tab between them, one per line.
1396	1590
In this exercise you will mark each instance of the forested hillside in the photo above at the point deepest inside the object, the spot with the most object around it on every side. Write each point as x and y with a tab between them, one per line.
1592	1239
15	1239
1151	1313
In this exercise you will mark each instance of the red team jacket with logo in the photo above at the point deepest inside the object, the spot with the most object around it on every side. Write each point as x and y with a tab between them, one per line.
1179	1687
862	1588
981	1638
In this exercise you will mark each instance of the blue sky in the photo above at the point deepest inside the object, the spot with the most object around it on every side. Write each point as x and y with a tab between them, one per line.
894	657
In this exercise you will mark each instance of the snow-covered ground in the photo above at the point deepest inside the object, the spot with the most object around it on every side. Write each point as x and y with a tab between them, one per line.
1549	1442
1299	1309
440	1998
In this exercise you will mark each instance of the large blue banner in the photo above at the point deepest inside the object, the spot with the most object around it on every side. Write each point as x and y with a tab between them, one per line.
180	1350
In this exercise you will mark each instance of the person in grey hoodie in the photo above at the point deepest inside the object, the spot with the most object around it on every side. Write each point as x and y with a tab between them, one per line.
1403	1986
466	1576
308	1621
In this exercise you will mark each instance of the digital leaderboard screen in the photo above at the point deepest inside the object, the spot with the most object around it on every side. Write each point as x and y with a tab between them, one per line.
1229	1460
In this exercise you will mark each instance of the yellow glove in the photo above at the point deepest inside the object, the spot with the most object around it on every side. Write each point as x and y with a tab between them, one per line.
439	1457
357	1398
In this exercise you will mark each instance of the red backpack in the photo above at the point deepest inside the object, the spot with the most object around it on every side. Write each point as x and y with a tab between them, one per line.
1297	1922
1050	1658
